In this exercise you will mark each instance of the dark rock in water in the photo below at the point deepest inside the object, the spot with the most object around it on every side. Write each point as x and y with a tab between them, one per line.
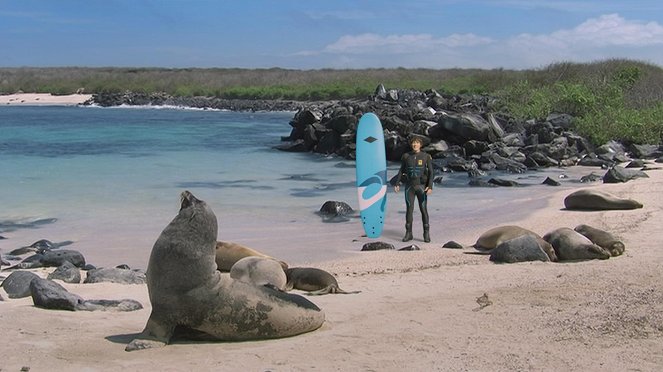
115	275
17	284
40	246
592	177
503	182
480	183
619	174
521	249
551	182
2	237
66	272
336	208
57	258
377	246
411	247
594	161
295	146
123	266
453	245
48	294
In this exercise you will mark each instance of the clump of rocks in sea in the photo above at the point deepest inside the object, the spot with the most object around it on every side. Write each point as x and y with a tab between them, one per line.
466	133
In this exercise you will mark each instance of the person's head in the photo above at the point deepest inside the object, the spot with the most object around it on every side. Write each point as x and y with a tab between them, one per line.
416	143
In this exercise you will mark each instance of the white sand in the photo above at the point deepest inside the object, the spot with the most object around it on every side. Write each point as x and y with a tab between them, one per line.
417	311
43	99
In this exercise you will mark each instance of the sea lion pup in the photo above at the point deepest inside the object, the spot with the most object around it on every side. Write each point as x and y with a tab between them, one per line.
259	271
186	291
603	239
498	235
228	253
588	199
570	245
316	281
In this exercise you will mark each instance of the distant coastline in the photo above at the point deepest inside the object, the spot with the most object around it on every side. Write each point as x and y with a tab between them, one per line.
43	99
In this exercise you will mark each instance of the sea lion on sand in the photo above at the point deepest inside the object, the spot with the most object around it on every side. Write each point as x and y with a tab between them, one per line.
186	291
228	253
498	235
587	199
316	281
602	238
570	245
259	271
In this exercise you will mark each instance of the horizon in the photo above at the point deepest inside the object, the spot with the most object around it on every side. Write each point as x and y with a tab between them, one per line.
339	35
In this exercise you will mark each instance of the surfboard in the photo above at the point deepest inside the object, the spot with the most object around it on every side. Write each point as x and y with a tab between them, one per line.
371	174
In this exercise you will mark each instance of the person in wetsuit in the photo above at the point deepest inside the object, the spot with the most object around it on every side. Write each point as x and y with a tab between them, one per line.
416	174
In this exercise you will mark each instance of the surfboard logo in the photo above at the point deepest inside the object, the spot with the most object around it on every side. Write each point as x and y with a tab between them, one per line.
365	203
378	179
370	139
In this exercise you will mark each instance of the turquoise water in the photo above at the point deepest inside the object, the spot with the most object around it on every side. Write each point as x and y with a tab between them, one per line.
109	179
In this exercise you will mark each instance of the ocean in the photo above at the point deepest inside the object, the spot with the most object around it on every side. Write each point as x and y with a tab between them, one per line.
109	180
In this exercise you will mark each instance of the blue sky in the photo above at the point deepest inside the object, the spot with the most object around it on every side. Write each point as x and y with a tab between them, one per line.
314	34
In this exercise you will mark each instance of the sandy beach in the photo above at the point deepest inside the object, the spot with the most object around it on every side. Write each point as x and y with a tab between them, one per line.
43	99
416	311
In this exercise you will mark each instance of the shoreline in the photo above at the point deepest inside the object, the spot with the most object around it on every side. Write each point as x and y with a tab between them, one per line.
43	99
416	310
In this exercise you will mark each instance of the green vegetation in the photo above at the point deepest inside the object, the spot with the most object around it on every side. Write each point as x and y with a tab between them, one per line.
612	99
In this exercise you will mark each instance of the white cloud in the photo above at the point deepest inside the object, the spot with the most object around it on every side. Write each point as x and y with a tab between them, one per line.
606	36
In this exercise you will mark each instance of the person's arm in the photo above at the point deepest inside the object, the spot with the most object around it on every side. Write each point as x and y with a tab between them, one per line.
397	186
429	182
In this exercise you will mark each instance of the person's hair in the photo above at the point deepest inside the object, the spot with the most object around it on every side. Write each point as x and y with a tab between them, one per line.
416	139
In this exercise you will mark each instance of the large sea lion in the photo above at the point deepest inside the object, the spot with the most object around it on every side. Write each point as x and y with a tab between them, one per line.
570	245
316	281
602	238
259	271
186	291
228	253
498	235
589	199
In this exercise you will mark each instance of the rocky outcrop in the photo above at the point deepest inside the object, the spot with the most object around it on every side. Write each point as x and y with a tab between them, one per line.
467	133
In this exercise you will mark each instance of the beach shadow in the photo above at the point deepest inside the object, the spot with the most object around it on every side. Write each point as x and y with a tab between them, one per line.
122	339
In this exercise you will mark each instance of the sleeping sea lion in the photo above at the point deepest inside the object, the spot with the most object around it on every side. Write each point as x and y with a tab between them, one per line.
316	281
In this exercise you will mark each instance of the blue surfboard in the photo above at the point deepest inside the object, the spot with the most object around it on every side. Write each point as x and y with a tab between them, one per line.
371	174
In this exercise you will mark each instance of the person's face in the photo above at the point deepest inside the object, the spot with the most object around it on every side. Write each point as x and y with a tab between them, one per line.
416	146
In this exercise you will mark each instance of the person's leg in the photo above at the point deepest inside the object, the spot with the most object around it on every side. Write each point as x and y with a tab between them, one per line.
409	209
422	198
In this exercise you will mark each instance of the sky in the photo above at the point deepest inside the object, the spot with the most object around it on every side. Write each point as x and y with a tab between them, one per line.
336	34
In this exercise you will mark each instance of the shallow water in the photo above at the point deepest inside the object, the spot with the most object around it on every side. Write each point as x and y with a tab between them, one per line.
109	179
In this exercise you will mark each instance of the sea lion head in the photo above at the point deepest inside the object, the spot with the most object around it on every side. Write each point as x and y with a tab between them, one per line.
596	252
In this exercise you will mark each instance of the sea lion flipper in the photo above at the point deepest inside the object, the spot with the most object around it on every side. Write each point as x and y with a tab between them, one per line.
140	344
154	335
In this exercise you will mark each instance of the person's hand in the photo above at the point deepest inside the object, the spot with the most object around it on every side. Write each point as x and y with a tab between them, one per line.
397	188
428	190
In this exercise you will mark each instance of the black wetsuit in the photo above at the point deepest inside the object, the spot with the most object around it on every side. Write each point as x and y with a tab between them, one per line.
417	174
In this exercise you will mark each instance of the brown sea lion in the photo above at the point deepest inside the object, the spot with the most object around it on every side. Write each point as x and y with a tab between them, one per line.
570	245
259	271
316	281
228	253
602	238
590	199
498	235
188	293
